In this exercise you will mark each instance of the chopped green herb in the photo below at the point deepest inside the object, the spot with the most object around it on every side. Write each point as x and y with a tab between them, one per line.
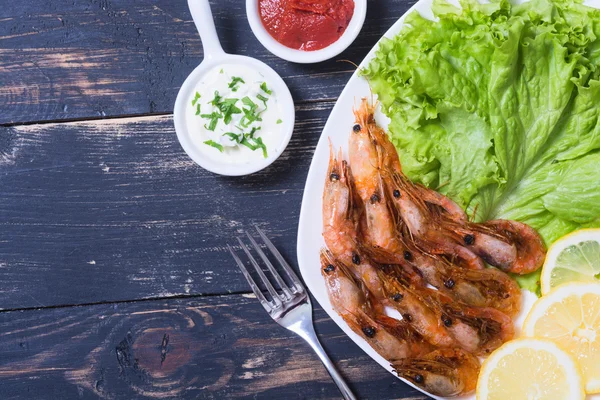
214	144
263	99
214	118
228	108
234	136
234	81
225	108
250	114
249	118
196	98
263	86
248	102
221	71
214	114
253	131
279	121
597	276
246	142
261	145
217	99
255	144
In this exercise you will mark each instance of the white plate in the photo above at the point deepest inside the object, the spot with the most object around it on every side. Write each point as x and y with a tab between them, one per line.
310	239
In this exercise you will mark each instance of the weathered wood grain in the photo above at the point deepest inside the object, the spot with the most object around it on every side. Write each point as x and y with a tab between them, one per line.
63	59
115	210
208	348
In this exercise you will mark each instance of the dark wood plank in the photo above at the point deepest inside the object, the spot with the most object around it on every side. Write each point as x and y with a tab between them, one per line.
209	348
63	59
115	210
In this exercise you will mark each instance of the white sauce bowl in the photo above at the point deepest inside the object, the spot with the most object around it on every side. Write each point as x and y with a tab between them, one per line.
198	151
213	57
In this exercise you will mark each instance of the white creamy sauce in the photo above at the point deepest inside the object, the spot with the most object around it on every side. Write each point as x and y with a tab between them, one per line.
249	99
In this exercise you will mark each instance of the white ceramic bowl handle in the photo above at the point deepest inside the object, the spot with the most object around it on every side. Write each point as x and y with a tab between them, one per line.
203	19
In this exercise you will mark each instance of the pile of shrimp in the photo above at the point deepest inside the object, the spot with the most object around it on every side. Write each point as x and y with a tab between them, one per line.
390	242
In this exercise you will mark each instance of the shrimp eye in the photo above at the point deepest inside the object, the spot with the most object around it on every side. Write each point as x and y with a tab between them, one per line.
369	331
397	297
355	258
334	176
469	239
449	283
397	193
407	255
407	317
447	321
329	268
375	198
356	128
419	378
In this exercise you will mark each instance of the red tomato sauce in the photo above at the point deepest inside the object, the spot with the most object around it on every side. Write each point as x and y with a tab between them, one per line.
306	24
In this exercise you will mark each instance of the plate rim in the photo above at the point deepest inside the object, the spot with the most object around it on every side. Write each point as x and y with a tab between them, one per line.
316	177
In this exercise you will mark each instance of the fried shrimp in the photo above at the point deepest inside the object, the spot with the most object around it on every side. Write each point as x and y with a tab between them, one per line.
364	155
393	243
340	225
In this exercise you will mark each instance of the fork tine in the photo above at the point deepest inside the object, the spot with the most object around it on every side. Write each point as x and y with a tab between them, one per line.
267	283
271	268
257	292
297	283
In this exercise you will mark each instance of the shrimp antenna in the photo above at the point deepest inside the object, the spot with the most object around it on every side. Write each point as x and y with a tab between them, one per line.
437	189
474	214
349	62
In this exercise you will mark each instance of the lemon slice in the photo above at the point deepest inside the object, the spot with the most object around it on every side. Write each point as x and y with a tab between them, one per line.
570	316
530	369
572	258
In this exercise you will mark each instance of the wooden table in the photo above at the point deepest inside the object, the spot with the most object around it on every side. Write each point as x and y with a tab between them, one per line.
115	282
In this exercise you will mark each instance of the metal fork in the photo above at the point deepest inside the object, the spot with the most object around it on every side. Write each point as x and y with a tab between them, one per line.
290	309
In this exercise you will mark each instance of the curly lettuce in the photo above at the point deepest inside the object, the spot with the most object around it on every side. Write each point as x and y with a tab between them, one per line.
498	106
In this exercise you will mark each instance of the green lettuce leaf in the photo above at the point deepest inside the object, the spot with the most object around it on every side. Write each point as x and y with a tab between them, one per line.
498	106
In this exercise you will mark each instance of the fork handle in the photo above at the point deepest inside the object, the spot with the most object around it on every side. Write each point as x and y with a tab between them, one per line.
309	335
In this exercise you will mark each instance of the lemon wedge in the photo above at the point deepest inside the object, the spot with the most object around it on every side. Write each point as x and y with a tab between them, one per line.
530	369
570	316
572	258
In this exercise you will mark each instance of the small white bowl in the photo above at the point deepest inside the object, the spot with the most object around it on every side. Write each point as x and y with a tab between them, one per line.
301	56
198	151
214	56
